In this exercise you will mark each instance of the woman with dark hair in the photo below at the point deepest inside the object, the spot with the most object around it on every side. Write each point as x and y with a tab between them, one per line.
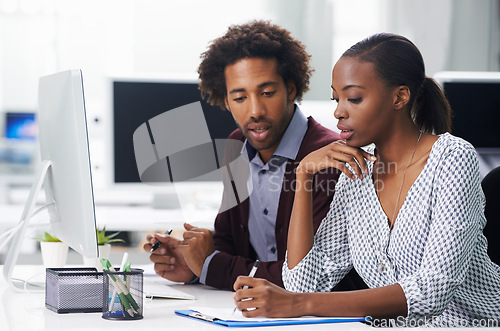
407	213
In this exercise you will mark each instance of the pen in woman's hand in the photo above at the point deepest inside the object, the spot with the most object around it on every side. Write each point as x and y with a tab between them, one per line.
251	274
253	271
157	243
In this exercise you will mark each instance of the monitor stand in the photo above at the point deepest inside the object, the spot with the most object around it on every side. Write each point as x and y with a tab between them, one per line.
28	212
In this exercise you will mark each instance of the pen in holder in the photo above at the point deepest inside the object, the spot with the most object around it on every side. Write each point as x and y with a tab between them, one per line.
127	304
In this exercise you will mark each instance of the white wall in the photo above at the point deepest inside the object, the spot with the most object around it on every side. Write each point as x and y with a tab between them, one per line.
122	37
474	43
105	38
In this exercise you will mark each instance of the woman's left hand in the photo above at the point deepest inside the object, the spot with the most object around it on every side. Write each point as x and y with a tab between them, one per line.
263	298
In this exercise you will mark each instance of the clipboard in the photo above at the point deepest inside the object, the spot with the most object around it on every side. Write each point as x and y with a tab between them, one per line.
271	322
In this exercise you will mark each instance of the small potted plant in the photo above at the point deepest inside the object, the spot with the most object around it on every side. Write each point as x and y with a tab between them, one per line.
54	251
104	245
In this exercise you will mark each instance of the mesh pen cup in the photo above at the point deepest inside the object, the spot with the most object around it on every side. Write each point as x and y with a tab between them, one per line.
122	297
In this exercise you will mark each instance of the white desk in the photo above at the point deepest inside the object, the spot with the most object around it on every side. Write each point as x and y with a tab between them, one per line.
127	218
21	311
122	209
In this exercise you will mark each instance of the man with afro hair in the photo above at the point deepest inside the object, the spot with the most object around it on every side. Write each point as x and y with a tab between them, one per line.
257	71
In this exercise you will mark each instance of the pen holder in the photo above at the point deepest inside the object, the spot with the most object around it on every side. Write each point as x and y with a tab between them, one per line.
122	297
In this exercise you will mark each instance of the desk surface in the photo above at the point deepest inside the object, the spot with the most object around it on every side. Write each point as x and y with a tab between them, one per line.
26	311
122	209
127	218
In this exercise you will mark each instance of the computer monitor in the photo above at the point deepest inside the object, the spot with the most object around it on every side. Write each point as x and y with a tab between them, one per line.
18	150
136	100
475	101
65	171
20	126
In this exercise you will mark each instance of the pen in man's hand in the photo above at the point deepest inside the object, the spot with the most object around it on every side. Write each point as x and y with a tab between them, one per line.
157	243
251	274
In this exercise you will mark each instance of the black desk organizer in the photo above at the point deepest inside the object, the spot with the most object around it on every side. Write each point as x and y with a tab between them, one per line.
74	290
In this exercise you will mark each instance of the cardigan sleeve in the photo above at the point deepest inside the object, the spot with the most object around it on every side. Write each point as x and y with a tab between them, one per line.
456	223
224	268
328	261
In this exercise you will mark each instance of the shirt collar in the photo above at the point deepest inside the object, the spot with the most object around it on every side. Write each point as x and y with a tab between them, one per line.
290	142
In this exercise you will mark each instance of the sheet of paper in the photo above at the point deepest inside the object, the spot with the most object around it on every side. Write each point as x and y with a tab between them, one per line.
160	289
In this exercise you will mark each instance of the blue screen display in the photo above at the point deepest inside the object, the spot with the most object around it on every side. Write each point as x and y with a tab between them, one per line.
21	126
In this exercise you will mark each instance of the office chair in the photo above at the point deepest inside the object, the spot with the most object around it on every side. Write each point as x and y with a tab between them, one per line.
491	189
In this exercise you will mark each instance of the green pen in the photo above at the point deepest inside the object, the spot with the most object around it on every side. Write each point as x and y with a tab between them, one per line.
126	299
127	268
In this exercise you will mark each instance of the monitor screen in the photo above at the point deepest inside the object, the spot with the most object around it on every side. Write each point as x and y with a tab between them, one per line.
20	126
476	111
475	102
136	101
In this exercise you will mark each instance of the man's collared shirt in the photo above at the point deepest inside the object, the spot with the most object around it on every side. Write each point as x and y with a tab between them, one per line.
265	184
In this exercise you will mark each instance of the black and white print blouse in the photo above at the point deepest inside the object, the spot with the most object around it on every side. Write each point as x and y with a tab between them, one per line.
436	251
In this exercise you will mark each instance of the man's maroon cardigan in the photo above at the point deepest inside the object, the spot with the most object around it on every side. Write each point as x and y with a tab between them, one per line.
231	236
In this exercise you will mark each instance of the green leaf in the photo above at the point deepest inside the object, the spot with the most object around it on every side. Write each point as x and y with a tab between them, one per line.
47	237
103	239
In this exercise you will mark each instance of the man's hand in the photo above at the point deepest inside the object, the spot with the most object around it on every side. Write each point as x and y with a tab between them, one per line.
168	258
197	245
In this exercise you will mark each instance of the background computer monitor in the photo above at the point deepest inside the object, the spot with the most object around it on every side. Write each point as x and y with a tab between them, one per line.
475	101
136	100
65	168
18	145
20	126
